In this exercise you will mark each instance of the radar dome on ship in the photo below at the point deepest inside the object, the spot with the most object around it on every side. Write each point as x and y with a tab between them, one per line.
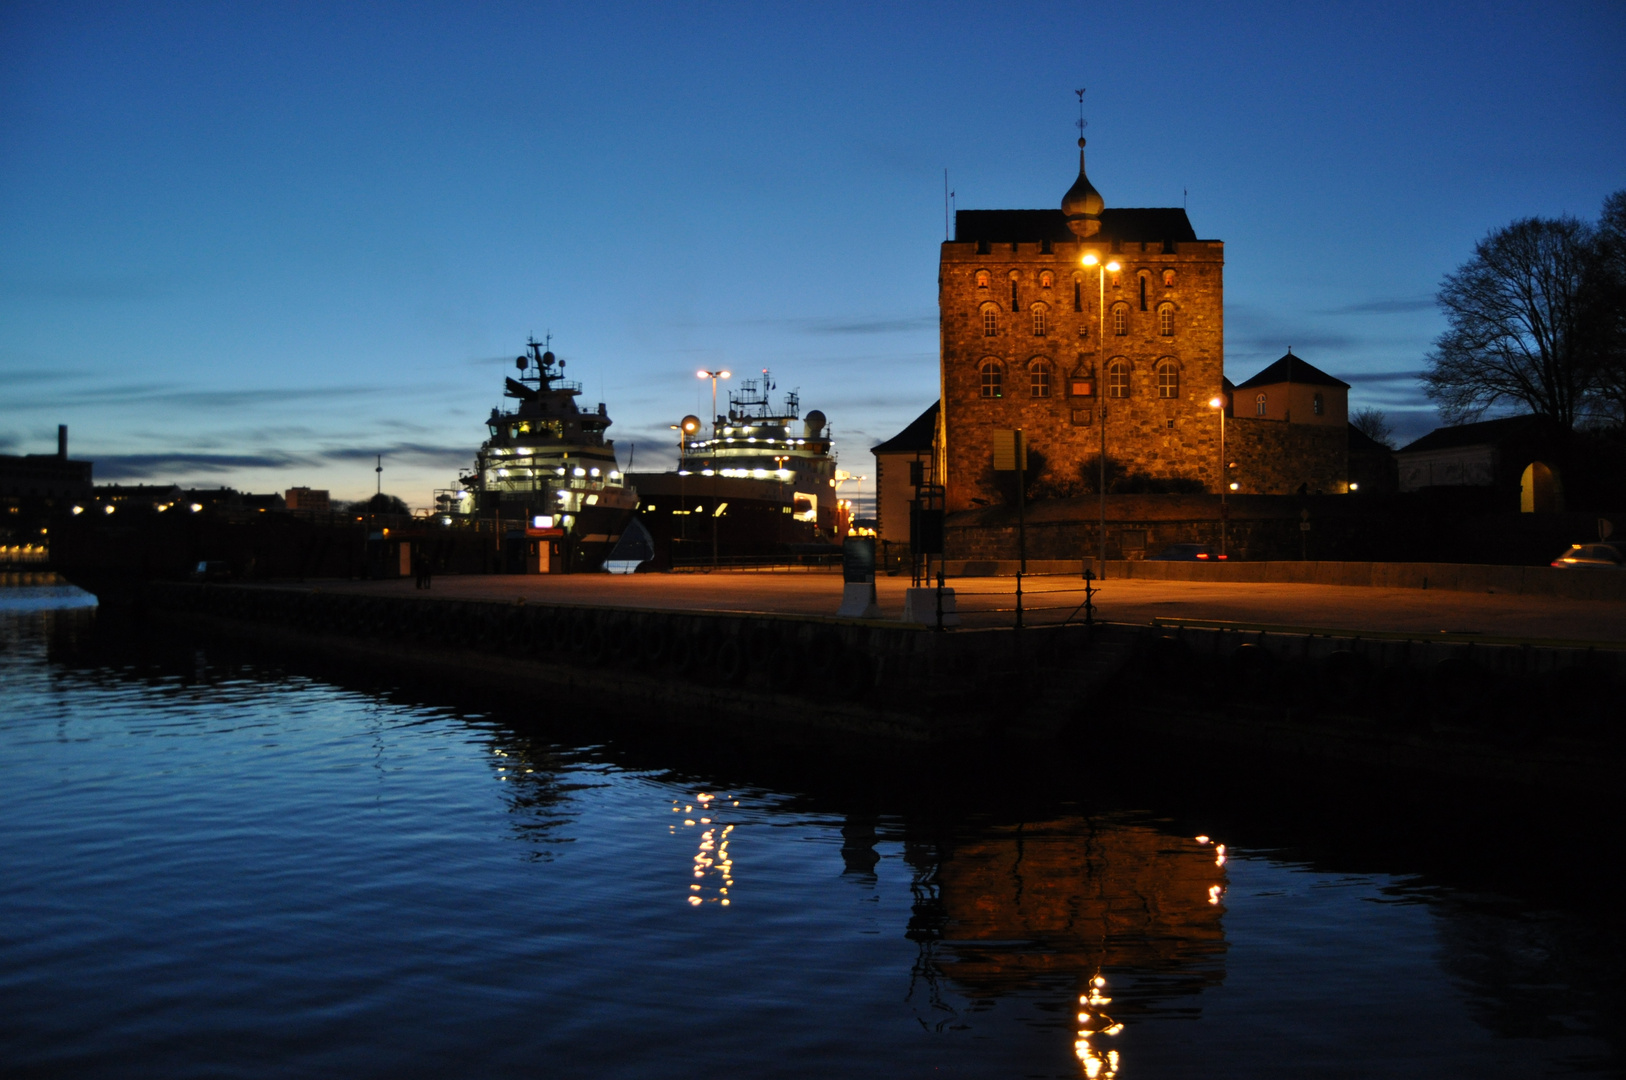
815	423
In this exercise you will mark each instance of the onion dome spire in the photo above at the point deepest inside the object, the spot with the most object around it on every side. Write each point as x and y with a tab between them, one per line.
1082	204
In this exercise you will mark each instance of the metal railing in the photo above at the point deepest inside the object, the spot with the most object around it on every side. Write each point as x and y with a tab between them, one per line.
1077	600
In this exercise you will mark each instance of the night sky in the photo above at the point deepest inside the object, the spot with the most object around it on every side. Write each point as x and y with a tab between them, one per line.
256	244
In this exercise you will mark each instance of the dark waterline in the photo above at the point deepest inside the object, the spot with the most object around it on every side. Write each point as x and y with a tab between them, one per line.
220	864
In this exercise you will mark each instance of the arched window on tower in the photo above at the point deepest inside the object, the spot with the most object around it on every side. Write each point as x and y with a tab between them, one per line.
1118	379
1259	405
990	320
1120	319
1165	320
1016	304
1041	320
1143	276
1039	378
1168	379
1078	296
1046	279
983	279
993	379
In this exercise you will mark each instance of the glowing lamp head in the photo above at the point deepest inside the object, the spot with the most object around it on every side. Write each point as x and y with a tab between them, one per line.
703	374
1090	259
1113	266
1216	403
690	425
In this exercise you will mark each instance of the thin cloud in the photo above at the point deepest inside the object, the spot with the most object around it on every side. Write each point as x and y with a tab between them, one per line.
419	453
870	326
1384	307
148	466
1382	377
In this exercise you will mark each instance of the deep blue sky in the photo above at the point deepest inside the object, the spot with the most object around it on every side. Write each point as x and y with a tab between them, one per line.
255	244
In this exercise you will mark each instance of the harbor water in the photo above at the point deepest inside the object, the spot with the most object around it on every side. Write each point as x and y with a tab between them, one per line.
222	863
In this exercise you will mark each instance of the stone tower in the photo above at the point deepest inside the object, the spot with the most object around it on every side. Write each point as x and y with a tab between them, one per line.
1038	333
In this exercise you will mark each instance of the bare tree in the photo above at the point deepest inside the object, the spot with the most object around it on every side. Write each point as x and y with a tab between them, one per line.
1374	424
1604	306
1516	336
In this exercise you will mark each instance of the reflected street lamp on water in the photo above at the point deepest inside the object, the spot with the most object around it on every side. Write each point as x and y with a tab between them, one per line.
1090	259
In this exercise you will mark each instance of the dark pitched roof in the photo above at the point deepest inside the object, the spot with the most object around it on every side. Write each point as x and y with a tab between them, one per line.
917	437
1292	368
1483	433
1129	224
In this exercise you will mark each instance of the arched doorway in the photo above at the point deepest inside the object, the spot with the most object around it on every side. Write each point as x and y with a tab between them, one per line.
1540	491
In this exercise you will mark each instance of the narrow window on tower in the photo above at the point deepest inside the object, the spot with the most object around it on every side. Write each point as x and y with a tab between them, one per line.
1165	320
1118	379
1259	405
1039	379
1120	319
1078	297
1168	380
1143	292
993	379
1041	320
1015	305
990	320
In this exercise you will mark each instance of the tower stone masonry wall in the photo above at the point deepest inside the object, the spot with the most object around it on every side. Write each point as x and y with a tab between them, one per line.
1175	437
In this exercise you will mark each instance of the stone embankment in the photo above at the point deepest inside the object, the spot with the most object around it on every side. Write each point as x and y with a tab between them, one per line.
1515	714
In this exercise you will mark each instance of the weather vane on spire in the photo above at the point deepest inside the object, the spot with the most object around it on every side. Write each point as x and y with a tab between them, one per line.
1082	123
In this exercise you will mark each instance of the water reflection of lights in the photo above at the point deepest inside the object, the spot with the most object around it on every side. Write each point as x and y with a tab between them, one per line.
1094	1024
1215	892
711	859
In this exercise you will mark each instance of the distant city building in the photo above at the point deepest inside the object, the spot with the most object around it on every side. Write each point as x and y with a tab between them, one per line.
1070	322
44	476
304	498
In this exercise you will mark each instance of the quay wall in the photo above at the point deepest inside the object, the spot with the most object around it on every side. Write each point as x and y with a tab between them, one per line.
1504	714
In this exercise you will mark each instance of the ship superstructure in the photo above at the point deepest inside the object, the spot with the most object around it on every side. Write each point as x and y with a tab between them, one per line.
756	441
546	468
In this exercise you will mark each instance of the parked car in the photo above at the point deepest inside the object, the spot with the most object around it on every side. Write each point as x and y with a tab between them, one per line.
1598	556
1186	553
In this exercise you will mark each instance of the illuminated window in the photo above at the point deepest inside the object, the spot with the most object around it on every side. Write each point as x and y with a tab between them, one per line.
1168	279
1168	380
1259	405
1046	279
1118	379
1041	320
982	279
1165	320
990	321
1318	406
1039	379
1120	319
993	379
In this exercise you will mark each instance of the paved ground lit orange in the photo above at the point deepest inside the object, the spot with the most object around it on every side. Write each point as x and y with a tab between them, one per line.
1411	611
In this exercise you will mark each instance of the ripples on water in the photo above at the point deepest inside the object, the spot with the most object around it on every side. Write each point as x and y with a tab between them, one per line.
218	866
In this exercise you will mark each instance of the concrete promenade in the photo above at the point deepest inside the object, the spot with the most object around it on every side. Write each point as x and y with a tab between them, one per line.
986	602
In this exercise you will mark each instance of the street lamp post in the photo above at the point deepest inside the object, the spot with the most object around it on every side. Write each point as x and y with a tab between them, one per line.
1225	472
713	376
1090	259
